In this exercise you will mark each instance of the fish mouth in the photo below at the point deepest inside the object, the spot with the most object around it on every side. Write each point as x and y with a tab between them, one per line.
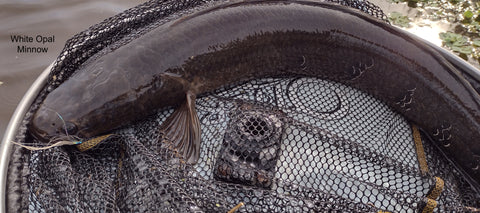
39	134
44	137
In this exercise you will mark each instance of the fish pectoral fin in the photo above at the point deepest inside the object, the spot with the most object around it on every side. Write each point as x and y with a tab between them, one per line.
182	130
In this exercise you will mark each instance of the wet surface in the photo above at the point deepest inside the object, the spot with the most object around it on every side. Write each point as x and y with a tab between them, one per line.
61	19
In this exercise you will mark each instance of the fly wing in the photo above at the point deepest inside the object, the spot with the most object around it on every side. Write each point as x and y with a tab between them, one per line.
182	130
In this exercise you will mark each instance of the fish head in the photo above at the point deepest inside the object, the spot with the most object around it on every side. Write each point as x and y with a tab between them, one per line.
47	124
58	116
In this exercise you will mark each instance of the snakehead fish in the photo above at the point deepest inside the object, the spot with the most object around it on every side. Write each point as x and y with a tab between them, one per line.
238	41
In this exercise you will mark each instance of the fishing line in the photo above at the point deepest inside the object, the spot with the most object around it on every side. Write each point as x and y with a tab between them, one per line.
59	143
74	140
63	121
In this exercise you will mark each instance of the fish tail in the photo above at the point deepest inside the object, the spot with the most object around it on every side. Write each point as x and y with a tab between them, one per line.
182	129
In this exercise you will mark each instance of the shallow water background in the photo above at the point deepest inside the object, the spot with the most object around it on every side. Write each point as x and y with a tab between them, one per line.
58	18
63	19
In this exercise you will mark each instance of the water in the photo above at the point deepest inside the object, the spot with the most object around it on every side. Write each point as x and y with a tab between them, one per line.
61	19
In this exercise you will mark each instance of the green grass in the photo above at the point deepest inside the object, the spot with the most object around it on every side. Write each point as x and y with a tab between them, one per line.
398	19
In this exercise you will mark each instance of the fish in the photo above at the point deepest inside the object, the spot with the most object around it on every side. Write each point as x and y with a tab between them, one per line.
236	41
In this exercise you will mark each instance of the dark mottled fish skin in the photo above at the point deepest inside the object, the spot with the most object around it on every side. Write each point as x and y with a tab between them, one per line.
245	40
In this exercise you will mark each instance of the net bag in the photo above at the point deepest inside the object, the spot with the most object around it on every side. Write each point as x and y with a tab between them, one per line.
273	144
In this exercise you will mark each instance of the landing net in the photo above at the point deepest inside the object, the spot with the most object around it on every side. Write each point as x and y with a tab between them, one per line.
268	145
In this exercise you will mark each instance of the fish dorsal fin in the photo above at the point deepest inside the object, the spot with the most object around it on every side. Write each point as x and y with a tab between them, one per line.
182	130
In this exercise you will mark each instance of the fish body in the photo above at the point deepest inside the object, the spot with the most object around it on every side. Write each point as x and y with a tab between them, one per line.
239	41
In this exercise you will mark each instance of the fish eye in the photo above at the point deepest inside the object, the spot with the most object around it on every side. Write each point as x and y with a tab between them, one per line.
71	128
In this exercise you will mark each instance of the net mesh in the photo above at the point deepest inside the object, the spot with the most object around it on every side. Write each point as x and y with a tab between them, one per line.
274	144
